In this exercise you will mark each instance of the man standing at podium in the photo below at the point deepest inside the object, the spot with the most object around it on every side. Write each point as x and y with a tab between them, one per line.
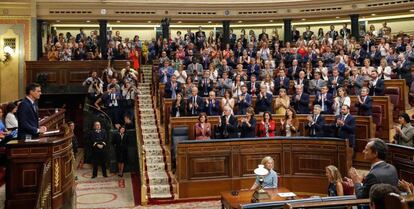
27	114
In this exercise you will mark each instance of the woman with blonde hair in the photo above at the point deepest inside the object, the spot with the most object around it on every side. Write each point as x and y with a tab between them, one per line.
282	102
335	187
270	180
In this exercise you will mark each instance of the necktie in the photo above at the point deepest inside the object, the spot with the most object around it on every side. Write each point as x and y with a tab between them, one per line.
205	87
210	107
174	94
323	102
194	102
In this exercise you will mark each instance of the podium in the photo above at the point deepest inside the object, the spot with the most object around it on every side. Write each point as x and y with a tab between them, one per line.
40	174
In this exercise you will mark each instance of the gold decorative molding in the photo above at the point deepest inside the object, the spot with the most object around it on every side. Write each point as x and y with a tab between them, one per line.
56	171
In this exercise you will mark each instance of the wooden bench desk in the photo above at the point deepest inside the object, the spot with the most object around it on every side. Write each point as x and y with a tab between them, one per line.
229	201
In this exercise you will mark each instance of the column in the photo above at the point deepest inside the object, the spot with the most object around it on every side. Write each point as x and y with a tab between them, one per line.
287	28
226	33
39	38
355	26
103	39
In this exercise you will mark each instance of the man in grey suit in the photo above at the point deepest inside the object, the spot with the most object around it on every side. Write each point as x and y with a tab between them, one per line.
316	84
381	172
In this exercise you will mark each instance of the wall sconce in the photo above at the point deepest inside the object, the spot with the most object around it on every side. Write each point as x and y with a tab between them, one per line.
8	51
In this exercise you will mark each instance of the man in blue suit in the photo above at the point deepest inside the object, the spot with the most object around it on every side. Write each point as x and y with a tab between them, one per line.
364	103
345	123
243	101
316	123
325	100
27	113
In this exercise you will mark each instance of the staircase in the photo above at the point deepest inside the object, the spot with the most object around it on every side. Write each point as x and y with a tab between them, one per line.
157	170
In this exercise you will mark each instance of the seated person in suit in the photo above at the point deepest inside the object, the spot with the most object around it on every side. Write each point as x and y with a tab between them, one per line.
248	124
281	81
381	172
202	128
263	100
300	101
282	102
345	123
212	105
228	124
376	85
335	187
267	127
325	100
270	180
364	103
316	123
172	88
178	106
253	87
205	85
194	103
289	125
243	101
404	132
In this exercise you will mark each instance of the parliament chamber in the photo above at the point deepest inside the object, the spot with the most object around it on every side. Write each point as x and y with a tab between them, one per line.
212	104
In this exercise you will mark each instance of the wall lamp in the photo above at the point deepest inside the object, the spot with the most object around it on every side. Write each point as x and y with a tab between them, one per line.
8	51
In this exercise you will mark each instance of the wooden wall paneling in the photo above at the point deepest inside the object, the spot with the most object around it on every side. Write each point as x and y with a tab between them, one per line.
205	163
404	90
402	157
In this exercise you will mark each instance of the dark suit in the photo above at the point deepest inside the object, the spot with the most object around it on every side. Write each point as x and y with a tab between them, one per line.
378	89
253	69
284	84
180	109
254	91
28	119
404	72
228	130
194	111
264	103
263	35
98	155
204	87
246	131
365	109
333	34
295	35
293	72
316	129
168	91
347	131
302	105
345	32
212	107
242	105
332	87
326	105
381	173
121	147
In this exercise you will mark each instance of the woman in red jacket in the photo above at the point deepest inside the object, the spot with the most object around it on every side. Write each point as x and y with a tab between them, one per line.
267	127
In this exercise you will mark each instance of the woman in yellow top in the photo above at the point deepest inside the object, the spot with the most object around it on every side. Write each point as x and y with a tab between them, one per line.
145	52
282	102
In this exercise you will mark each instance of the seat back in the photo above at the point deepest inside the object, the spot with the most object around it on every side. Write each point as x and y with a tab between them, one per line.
178	134
377	118
394	94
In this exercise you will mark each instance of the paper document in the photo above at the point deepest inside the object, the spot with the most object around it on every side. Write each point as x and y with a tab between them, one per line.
51	132
287	194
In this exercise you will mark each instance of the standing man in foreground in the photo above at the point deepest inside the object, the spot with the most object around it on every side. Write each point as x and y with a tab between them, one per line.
381	172
27	114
